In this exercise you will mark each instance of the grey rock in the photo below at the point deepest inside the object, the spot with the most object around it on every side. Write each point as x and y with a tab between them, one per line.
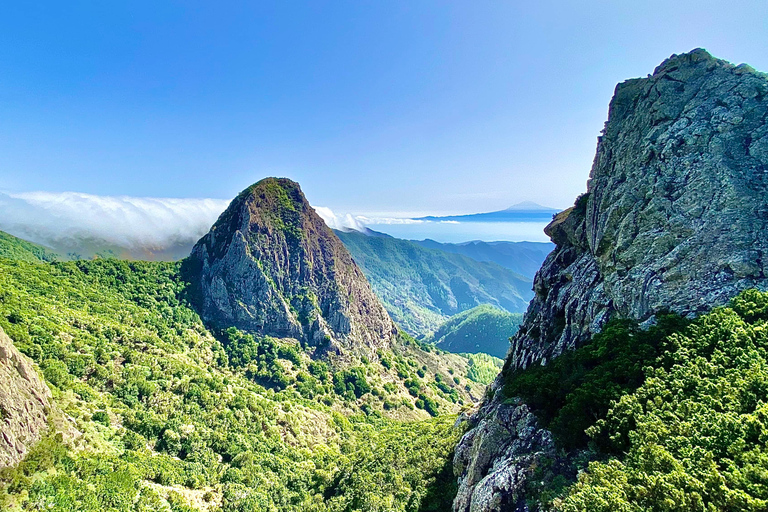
24	403
494	459
674	218
271	266
676	212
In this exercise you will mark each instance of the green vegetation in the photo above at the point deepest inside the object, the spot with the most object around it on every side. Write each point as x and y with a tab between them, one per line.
575	389
13	248
693	436
483	368
421	287
169	416
481	329
673	418
166	415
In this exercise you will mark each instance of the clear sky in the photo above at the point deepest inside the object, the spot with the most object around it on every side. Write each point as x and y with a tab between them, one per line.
387	106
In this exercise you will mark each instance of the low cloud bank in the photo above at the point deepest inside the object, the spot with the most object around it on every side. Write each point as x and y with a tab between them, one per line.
346	221
132	226
342	222
166	229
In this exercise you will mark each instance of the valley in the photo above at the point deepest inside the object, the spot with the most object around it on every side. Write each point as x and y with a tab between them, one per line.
284	366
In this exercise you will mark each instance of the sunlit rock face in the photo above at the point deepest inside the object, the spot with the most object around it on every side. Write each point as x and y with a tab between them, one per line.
270	265
675	218
24	403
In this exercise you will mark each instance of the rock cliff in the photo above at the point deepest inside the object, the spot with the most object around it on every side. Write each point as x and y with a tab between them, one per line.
270	265
24	403
675	218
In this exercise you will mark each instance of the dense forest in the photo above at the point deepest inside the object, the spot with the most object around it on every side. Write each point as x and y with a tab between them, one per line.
164	413
153	411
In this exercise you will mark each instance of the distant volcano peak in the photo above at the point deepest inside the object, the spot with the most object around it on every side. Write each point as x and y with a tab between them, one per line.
529	206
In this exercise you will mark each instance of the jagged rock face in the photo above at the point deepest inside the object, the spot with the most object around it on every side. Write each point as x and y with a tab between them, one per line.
675	217
24	403
676	212
495	458
270	265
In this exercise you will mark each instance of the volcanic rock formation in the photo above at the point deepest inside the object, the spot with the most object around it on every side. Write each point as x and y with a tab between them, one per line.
271	266
675	218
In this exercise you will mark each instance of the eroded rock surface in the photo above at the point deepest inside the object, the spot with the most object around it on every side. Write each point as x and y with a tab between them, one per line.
675	217
24	403
676	212
270	265
496	457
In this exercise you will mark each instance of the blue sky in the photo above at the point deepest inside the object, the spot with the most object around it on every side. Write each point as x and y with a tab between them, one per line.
412	106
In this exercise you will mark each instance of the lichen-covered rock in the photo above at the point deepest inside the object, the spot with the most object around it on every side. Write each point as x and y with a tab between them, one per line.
24	403
495	458
676	211
675	216
270	265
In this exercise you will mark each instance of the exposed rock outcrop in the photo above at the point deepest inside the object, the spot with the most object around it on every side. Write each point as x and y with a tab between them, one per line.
496	457
24	403
270	265
675	217
676	211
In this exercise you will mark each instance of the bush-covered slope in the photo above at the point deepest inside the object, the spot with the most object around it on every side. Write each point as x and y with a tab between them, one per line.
673	418
483	368
481	329
165	413
421	287
17	249
693	436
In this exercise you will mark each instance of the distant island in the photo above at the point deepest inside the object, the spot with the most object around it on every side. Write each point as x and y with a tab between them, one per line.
521	212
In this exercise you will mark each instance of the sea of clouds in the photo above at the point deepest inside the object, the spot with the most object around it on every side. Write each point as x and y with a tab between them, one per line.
140	226
167	228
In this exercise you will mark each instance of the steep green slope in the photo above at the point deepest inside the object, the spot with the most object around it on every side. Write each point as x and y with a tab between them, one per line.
673	418
167	415
17	249
524	258
692	437
421	287
481	329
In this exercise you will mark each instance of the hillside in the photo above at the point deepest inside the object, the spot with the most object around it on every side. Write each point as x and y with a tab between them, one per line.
480	329
524	258
422	287
17	249
644	414
672	225
163	411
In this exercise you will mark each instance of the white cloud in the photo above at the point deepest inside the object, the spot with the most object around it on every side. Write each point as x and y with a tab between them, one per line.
162	228
346	221
372	221
342	222
140	226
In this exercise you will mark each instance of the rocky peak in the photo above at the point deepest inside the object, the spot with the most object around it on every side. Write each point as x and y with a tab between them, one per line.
675	218
270	265
675	215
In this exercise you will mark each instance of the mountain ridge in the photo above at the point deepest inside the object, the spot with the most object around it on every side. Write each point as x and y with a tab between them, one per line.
422	287
483	328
